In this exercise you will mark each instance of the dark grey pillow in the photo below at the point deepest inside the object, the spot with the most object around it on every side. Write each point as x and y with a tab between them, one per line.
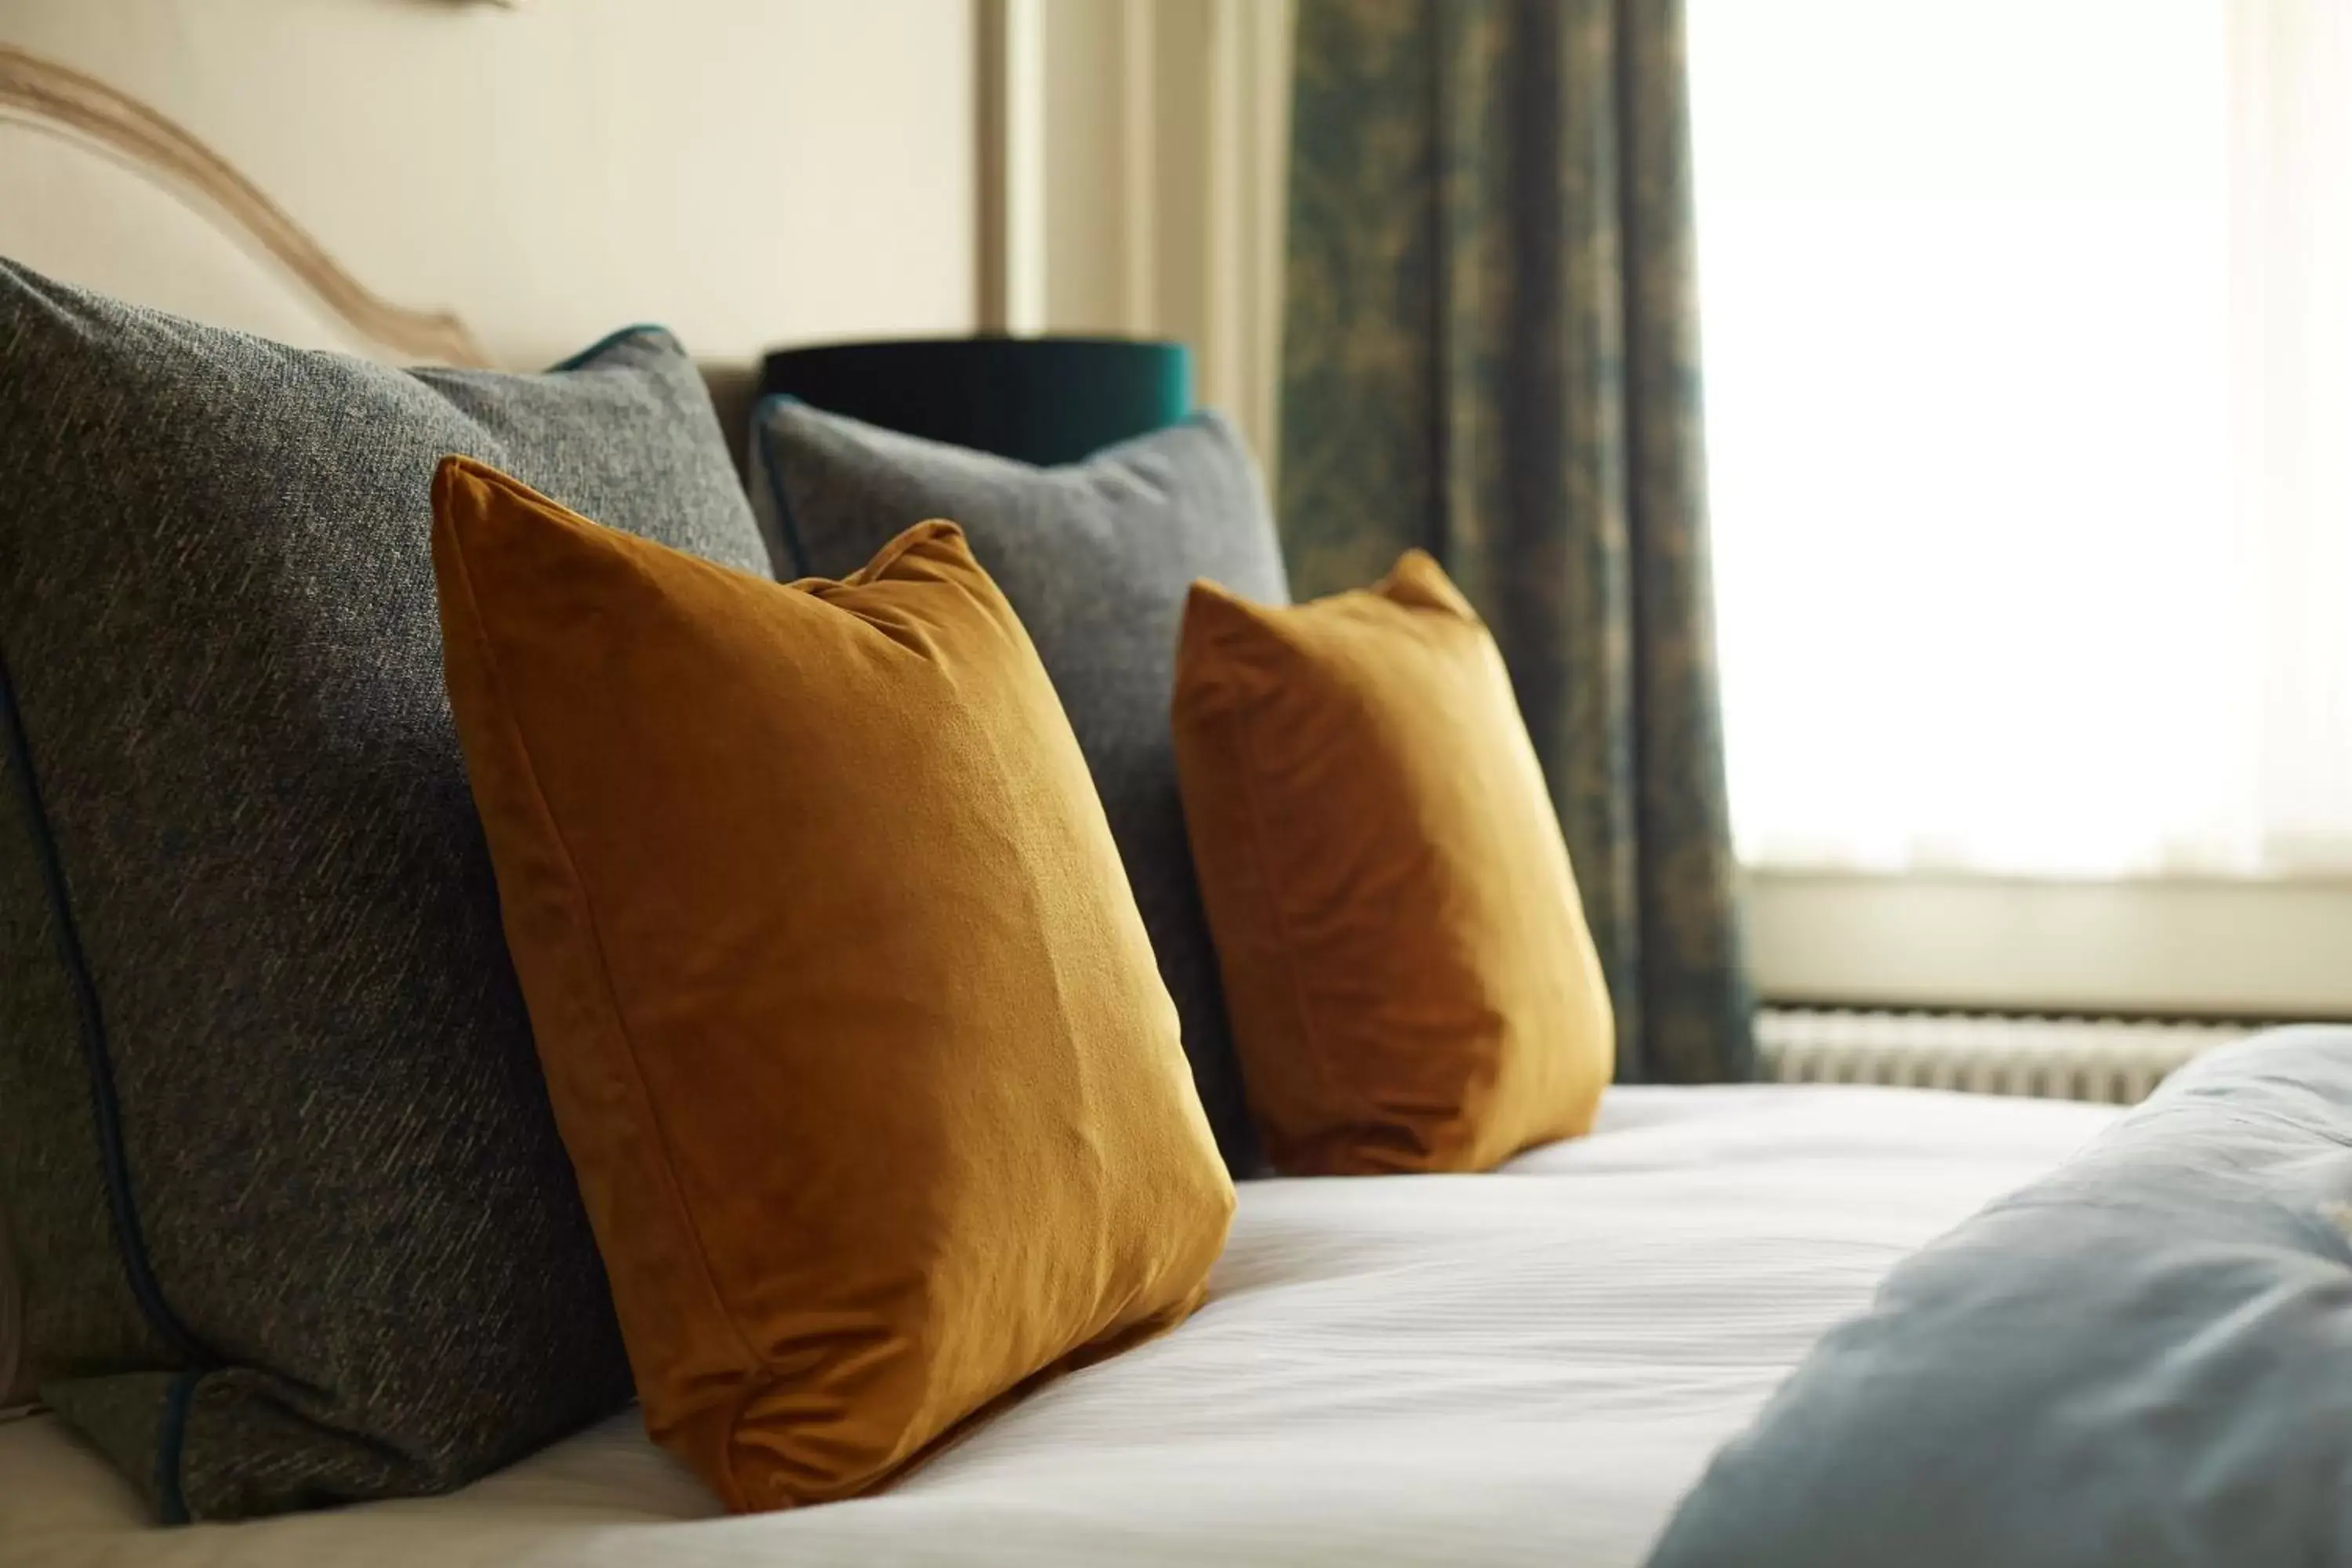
1096	559
294	1220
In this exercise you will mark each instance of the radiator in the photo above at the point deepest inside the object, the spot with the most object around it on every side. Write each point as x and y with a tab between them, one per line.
2106	1059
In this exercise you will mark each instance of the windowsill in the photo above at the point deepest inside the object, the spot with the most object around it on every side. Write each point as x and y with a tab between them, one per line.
2224	949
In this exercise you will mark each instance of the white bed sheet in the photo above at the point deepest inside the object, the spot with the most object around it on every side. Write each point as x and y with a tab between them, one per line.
1526	1367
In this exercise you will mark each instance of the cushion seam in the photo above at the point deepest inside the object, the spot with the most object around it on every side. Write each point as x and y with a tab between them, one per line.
171	1445
584	358
661	1138
114	1166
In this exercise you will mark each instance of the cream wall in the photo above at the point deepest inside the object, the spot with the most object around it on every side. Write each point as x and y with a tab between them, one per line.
747	172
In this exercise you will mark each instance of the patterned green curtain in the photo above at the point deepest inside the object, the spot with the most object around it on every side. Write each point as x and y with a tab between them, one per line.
1491	351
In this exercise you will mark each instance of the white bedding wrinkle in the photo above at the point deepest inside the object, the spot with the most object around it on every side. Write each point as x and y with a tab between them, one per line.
1530	1366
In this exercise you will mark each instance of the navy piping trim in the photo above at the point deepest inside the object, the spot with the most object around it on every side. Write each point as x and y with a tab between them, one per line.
129	1239
787	526
172	1501
597	349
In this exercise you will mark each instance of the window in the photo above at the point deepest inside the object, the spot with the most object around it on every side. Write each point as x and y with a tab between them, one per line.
2028	328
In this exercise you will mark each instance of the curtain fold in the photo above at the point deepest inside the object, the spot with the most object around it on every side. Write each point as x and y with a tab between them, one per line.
1490	351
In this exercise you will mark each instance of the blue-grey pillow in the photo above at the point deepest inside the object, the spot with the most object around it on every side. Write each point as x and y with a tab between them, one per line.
295	1222
1096	558
2142	1360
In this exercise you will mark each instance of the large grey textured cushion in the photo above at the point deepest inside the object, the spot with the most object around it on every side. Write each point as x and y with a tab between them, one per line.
291	1208
1096	559
2143	1360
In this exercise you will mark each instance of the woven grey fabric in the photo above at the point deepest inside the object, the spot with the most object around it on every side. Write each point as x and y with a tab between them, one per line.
16	1366
1096	559
337	1251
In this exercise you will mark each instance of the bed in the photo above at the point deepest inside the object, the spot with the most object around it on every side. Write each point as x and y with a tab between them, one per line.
1529	1367
1532	1366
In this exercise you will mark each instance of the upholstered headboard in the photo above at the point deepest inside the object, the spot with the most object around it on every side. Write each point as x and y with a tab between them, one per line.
100	189
440	180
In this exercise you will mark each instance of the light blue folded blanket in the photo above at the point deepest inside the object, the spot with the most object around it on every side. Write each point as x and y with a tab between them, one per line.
2144	1359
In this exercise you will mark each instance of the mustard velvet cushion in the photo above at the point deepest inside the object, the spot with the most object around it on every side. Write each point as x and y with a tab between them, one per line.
851	1026
1412	983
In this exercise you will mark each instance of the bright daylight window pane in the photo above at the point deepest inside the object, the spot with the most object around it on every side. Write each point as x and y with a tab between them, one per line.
1966	272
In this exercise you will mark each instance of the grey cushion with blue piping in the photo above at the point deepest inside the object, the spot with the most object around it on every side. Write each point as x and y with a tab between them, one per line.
1096	558
294	1221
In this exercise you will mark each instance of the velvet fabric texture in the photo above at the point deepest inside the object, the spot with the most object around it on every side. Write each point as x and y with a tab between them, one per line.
1096	559
850	1023
1405	955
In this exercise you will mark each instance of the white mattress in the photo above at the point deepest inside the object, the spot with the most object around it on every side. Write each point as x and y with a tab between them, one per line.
1524	1367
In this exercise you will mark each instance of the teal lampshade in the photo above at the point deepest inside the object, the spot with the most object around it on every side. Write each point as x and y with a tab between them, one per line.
1042	400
